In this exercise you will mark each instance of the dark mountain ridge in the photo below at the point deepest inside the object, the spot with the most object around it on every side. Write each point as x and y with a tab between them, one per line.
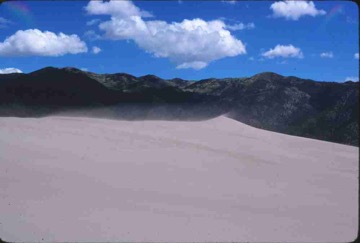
322	110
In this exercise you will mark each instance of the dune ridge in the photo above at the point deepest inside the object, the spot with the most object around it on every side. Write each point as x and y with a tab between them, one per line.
87	179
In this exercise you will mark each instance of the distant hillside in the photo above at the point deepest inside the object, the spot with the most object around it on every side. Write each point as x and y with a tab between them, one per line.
322	110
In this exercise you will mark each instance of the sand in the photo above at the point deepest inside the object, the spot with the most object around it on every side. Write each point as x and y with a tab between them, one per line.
86	179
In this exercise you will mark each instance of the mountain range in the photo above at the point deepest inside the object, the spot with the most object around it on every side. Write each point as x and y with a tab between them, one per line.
321	110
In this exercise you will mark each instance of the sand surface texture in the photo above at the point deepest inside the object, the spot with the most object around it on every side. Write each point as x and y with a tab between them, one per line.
86	179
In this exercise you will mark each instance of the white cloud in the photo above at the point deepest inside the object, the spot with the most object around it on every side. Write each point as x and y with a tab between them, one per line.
356	55
283	51
189	44
92	22
352	79
34	42
96	50
240	26
229	1
115	8
327	54
194	65
293	10
10	70
84	69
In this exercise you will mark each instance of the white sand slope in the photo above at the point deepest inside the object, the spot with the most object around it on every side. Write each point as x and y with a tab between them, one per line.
85	179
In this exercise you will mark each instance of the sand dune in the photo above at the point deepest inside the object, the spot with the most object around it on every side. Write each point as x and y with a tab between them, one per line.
86	179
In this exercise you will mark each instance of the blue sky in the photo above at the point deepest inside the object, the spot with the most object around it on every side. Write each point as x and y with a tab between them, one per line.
187	39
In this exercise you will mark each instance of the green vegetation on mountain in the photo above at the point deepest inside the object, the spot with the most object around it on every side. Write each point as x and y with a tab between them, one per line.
321	110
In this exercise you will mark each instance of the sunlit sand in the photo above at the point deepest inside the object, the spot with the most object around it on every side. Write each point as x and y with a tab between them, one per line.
87	179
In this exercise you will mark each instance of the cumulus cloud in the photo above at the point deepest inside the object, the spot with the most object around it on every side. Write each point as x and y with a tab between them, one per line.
293	10
115	8
356	55
229	1
96	50
283	51
10	70
354	79
240	26
327	54
34	42
189	44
